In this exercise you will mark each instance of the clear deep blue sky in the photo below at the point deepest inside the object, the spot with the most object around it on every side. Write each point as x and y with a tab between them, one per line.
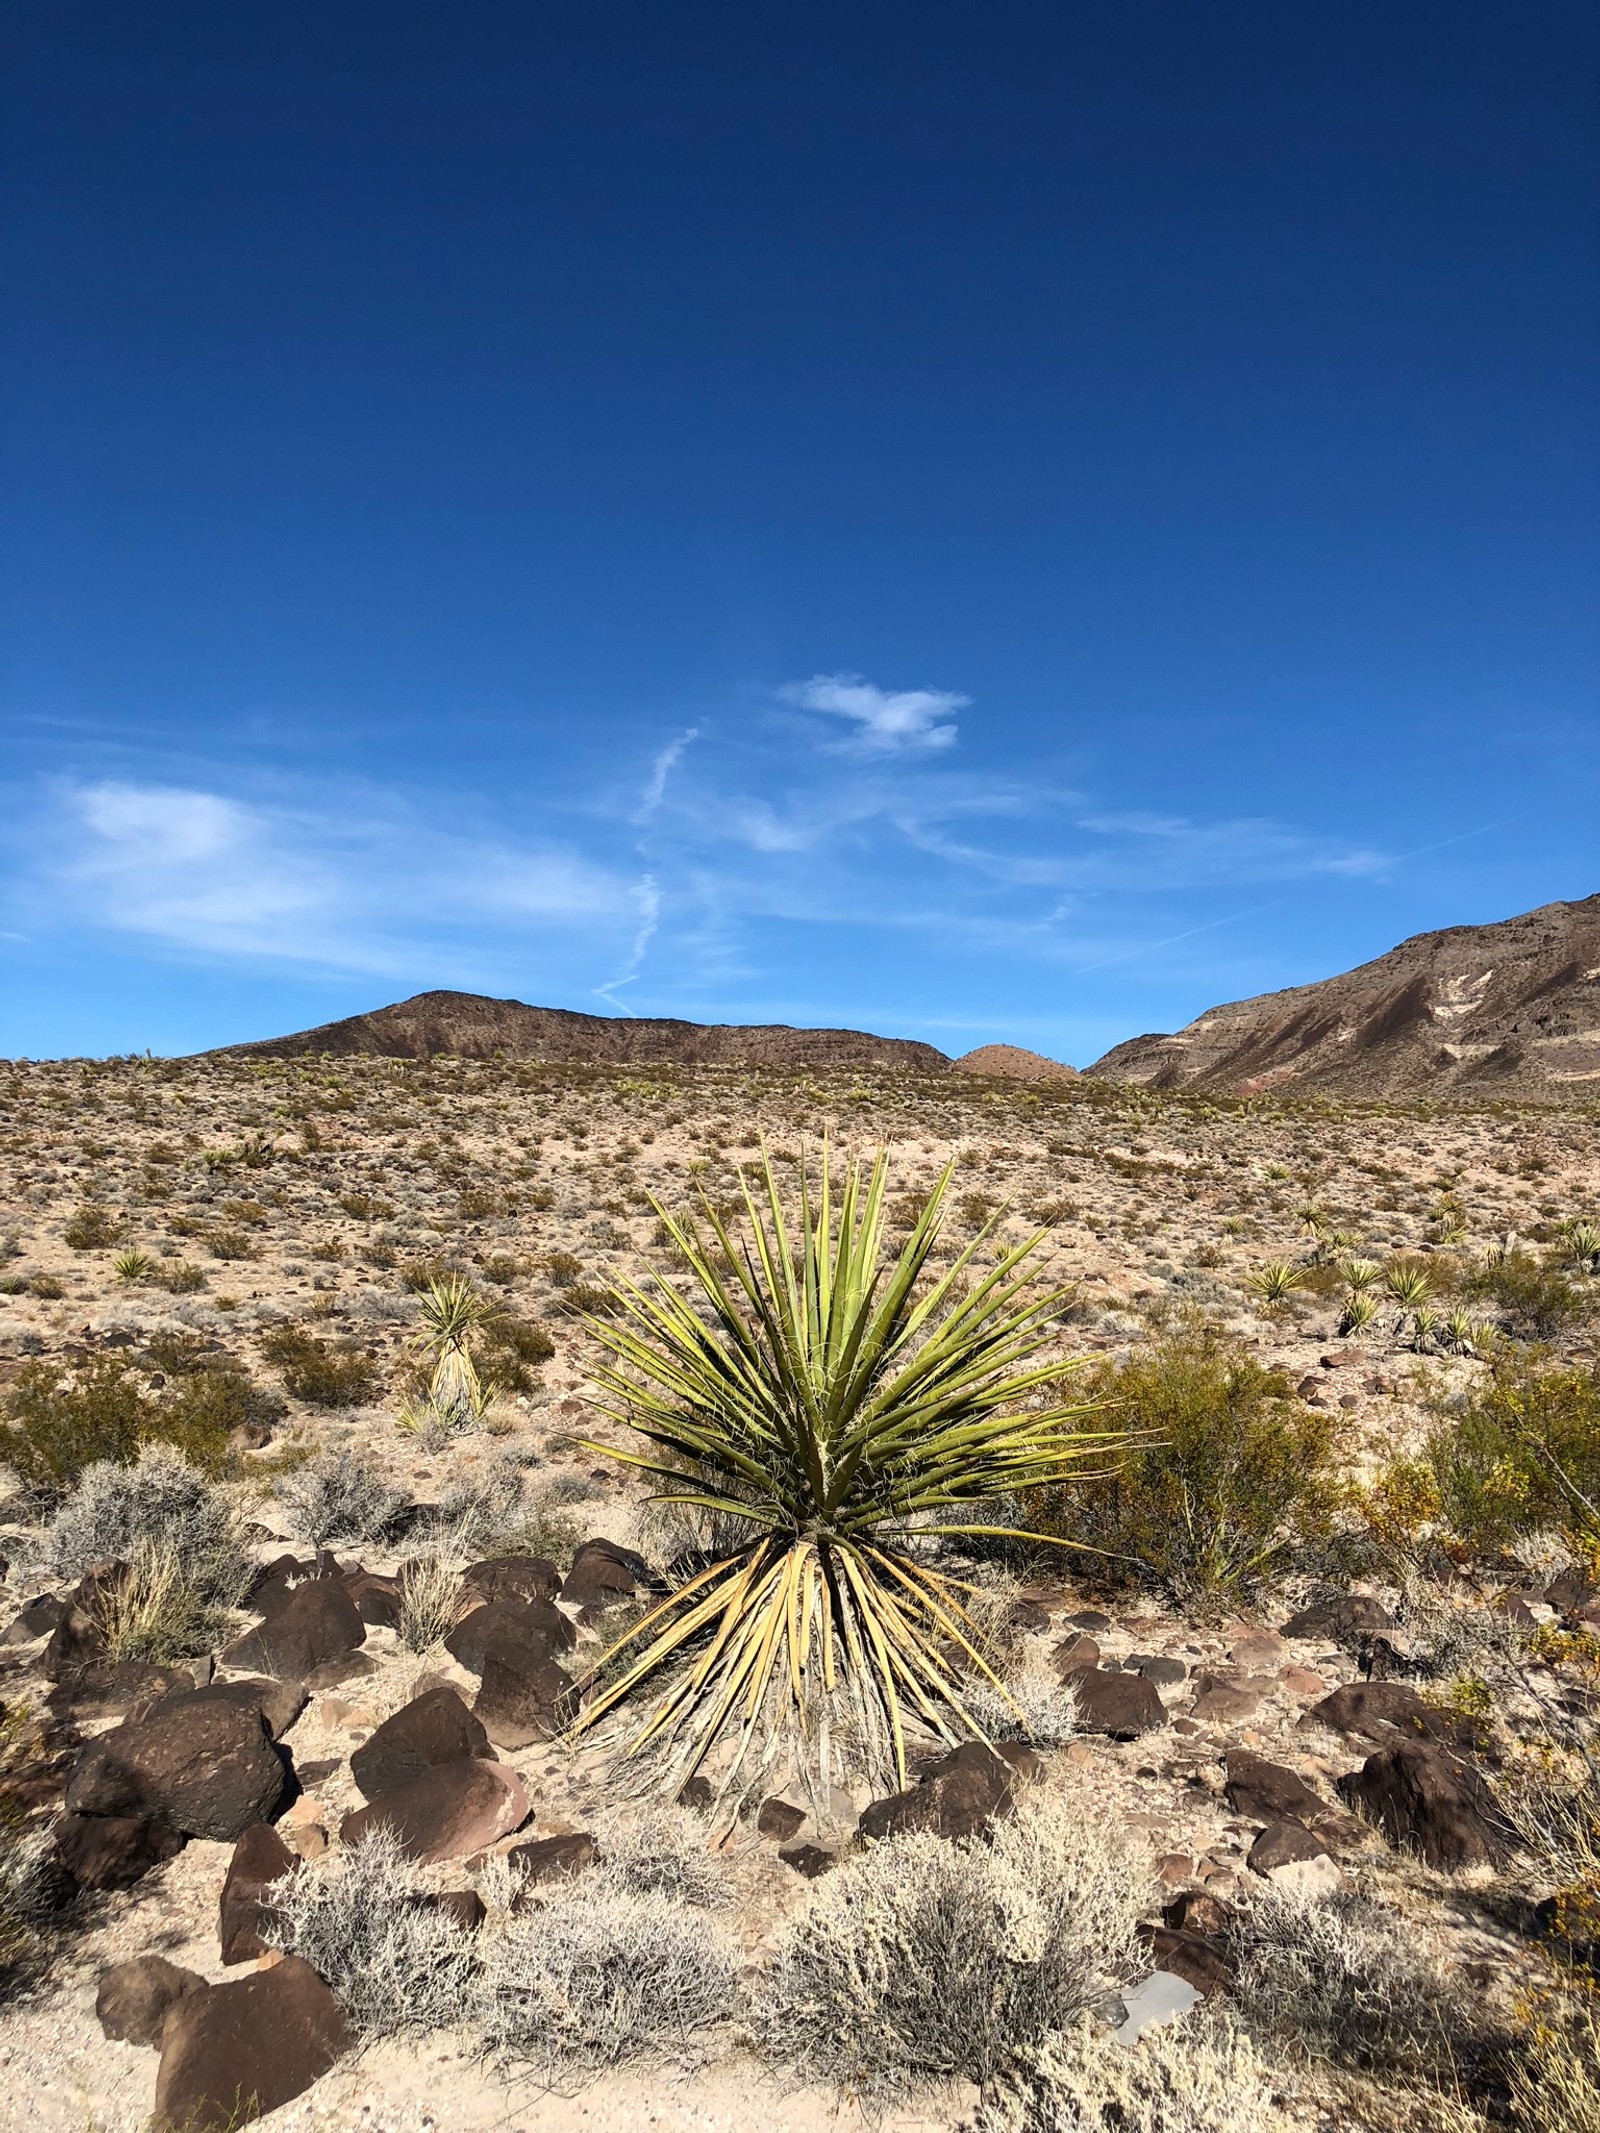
980	522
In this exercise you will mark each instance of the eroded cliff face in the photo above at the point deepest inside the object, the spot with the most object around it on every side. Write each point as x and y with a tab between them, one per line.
1505	1010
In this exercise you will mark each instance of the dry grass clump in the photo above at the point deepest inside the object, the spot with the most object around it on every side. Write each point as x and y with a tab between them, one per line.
600	1975
364	1921
661	1851
924	1961
336	1496
1555	2083
431	1601
1200	2075
26	1880
1347	1982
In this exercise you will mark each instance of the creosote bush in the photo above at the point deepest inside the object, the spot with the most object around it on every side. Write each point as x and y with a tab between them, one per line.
1533	1299
1521	1457
925	1960
1198	2075
321	1372
1227	1472
55	1428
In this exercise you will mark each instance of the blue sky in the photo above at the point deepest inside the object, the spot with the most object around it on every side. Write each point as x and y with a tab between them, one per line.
973	522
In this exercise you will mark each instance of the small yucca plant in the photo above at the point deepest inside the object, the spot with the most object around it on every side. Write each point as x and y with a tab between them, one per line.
132	1264
1580	1244
1461	1334
1360	1310
827	1411
1408	1283
1360	1274
1276	1282
452	1312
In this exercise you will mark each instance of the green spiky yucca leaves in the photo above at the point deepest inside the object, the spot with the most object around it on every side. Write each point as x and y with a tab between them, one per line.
826	1411
452	1312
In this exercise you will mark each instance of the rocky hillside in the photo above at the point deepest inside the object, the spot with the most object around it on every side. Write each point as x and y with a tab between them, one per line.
1010	1062
1509	1010
469	1026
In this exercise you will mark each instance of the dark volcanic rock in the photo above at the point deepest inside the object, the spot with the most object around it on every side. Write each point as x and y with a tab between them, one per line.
810	1860
208	1772
554	1858
317	1622
1266	1792
1424	1801
534	1624
515	1579
1284	1844
277	1703
1344	1620
112	1851
523	1695
1378	1710
236	2051
259	1859
1123	1706
39	1618
133	1998
960	1794
1197	1960
448	1812
603	1573
433	1728
779	1818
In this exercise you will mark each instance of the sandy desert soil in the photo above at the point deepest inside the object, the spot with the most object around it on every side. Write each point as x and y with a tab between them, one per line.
307	1193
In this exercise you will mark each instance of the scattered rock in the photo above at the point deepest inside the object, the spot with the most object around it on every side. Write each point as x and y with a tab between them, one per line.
448	1812
108	1688
1378	1710
133	1998
112	1851
464	1907
236	2051
538	1627
433	1728
1266	1792
513	1578
1200	1911
960	1794
1345	1619
317	1622
1090	1618
209	1771
1123	1706
1028	1617
555	1858
603	1573
377	1599
779	1818
277	1703
810	1860
39	1618
1192	1957
1566	1592
1164	1671
259	1859
523	1695
1425	1801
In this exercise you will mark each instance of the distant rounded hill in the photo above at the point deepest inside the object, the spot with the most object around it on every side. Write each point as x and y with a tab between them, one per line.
471	1026
1009	1062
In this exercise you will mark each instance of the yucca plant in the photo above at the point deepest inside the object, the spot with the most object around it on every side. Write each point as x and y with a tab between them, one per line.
828	1411
1359	1274
1461	1334
1408	1283
1360	1309
452	1312
1580	1244
1424	1323
1276	1282
131	1264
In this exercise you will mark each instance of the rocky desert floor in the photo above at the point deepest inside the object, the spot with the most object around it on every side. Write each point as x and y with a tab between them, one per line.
314	1196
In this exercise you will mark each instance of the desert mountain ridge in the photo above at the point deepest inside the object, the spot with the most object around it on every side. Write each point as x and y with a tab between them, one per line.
1510	1010
472	1026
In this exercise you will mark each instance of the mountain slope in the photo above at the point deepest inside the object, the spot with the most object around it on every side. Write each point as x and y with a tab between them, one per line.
1509	1010
473	1027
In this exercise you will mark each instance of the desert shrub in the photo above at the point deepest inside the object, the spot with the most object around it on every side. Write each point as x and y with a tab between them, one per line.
661	1851
1533	1299
1036	1708
1522	1456
365	1922
54	1429
1347	1981
335	1496
321	1372
599	1976
220	1399
1226	1474
26	1887
91	1228
1555	2081
158	1496
514	1348
1200	2075
924	1960
177	1277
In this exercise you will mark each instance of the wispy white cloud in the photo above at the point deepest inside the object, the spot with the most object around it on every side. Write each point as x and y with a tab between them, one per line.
662	766
362	886
649	898
886	719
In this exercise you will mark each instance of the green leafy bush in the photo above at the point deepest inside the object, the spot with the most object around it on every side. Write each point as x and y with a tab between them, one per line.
1228	1471
54	1429
1533	1299
321	1372
92	1227
1521	1457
